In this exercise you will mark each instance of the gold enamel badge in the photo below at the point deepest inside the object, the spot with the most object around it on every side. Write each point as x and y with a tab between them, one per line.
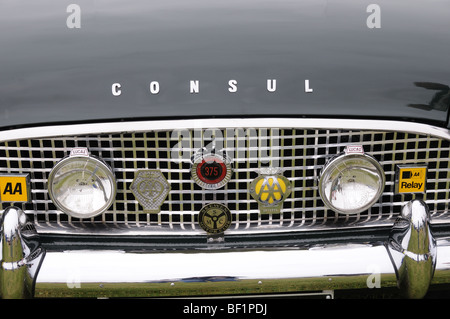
214	218
270	190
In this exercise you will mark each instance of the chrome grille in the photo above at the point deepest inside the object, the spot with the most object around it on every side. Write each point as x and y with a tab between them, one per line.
301	152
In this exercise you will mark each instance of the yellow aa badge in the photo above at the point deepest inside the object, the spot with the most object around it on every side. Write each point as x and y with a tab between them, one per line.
15	188
270	189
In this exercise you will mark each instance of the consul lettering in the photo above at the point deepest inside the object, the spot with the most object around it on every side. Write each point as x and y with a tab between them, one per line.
194	87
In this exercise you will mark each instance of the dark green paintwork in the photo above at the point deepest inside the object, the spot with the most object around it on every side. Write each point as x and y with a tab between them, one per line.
50	73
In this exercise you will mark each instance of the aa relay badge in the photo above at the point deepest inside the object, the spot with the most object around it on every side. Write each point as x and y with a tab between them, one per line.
15	188
411	179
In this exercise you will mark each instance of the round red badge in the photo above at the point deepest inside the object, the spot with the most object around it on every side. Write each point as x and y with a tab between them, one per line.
211	171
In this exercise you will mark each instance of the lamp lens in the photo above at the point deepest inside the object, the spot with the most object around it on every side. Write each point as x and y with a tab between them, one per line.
82	186
351	183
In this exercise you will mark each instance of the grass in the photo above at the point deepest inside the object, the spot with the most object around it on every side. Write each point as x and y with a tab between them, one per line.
241	287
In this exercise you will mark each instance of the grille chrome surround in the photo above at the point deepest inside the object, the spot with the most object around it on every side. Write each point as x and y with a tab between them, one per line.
304	147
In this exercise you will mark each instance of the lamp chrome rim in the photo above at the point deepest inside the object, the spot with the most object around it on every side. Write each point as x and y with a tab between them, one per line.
343	157
98	162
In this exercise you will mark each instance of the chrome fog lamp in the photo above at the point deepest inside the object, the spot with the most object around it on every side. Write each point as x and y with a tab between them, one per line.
352	181
81	185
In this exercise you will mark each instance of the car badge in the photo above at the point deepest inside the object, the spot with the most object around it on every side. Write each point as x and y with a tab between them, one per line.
410	179
150	188
15	188
214	218
211	170
270	189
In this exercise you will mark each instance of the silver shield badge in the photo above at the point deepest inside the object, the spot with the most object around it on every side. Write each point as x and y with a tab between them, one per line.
150	188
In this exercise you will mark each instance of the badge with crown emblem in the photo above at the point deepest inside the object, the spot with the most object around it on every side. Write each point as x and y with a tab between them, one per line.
211	169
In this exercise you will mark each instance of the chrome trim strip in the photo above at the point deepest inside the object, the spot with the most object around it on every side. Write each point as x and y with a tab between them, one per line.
142	126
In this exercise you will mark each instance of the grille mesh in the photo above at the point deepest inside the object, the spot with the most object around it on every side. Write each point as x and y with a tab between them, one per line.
301	152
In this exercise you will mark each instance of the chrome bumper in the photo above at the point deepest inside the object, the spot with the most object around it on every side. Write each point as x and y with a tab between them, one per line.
408	260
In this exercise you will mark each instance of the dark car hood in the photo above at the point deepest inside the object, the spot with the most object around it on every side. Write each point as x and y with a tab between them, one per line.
51	73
